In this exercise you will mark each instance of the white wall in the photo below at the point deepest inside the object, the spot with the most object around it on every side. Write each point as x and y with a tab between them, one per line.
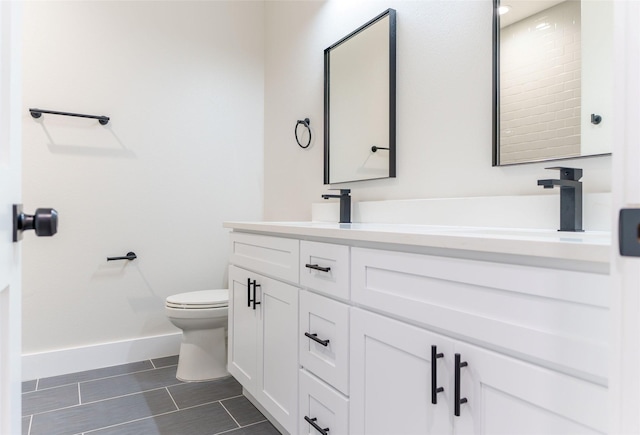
444	75
183	83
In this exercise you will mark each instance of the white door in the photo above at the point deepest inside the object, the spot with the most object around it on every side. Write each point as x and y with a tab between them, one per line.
278	350
243	326
505	396
624	381
10	173
390	381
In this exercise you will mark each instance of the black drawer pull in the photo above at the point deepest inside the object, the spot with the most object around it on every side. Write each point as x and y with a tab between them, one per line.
457	401
315	338
434	375
312	422
316	267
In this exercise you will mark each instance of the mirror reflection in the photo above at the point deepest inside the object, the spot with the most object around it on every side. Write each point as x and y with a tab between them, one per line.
360	103
553	83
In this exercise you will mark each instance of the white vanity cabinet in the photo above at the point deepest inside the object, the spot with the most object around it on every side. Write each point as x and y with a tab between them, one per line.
263	323
363	334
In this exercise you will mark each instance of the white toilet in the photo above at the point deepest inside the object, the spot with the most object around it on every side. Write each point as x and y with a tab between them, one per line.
202	316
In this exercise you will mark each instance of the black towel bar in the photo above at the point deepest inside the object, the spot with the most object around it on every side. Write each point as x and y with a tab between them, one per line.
130	256
37	113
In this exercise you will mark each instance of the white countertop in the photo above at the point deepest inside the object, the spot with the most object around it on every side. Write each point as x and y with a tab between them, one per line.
591	246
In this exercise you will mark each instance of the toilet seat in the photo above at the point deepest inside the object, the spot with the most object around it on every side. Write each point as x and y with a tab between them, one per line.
199	300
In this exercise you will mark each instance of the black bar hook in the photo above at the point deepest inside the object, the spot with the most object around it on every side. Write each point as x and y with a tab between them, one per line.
130	256
37	113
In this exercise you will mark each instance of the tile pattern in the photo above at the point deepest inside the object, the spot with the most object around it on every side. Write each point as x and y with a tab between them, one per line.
540	82
138	398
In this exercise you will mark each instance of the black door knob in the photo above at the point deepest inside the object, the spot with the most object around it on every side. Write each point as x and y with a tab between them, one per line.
44	222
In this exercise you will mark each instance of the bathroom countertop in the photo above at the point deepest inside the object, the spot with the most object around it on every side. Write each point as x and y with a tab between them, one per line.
589	246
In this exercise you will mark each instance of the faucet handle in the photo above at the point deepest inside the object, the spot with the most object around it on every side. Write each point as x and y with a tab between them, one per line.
573	174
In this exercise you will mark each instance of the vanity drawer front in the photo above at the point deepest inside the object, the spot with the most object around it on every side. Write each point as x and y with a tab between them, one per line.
325	267
329	321
558	316
318	401
271	256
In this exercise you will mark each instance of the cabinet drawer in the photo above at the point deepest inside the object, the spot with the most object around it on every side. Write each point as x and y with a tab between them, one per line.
327	321
558	316
325	267
271	256
327	408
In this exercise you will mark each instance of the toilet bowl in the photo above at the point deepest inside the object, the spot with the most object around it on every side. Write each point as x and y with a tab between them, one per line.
202	316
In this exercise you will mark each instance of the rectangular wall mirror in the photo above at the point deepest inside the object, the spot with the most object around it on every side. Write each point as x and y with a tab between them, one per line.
553	81
360	103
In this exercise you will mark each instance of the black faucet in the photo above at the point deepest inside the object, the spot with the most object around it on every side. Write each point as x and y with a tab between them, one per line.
570	197
345	204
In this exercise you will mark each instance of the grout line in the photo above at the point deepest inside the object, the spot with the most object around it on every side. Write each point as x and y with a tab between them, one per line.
30	422
37	383
97	401
164	413
128	394
242	427
171	396
79	395
105	377
152	364
124	422
230	415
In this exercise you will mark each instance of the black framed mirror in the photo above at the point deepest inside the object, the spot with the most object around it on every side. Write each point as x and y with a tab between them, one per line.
552	81
360	103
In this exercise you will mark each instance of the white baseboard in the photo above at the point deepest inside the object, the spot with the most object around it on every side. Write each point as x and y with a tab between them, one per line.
95	356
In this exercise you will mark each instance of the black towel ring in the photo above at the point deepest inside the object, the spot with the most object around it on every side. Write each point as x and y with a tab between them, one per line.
306	123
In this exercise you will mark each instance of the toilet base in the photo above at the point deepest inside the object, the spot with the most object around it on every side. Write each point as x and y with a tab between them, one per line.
203	355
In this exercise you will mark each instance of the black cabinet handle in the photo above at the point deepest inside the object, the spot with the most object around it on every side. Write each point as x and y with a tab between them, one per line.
312	422
254	302
316	267
434	375
457	400
249	292
315	338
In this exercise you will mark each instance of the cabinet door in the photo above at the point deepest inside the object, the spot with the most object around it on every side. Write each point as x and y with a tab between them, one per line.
390	381
243	325
278	350
508	396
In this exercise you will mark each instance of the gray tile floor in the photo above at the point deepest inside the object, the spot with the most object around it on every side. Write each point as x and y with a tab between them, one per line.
138	398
